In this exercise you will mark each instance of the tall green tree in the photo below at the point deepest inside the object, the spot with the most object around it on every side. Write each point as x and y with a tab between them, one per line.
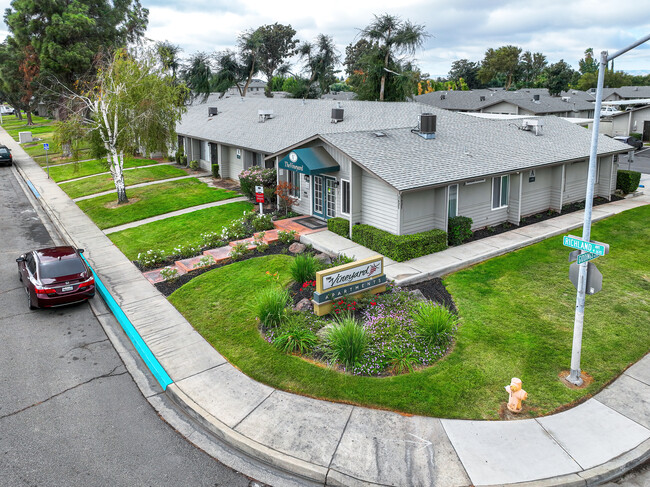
588	64
503	62
558	77
169	55
132	105
231	72
466	70
354	53
278	43
394	37
321	58
197	75
531	66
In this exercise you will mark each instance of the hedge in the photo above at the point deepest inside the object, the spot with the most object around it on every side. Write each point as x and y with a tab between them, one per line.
627	181
459	229
340	226
399	247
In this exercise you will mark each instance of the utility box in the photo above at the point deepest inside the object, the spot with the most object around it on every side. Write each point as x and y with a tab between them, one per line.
25	137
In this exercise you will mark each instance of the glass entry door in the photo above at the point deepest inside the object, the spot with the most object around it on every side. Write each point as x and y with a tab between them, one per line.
324	197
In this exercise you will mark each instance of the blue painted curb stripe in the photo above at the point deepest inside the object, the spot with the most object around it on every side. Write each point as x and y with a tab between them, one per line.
31	186
149	358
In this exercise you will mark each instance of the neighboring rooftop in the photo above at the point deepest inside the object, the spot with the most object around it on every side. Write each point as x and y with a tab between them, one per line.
626	92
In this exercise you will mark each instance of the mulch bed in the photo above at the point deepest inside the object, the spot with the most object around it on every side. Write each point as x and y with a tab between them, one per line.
539	217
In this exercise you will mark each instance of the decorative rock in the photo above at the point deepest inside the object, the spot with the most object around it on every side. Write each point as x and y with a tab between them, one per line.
322	333
324	258
297	248
304	304
517	395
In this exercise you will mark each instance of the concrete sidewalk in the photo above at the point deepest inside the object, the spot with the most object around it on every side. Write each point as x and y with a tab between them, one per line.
324	443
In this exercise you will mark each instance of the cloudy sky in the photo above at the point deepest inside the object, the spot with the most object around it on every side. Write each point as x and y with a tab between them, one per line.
561	29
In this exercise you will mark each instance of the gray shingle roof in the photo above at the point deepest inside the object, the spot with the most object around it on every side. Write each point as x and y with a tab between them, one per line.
628	92
238	123
466	148
472	100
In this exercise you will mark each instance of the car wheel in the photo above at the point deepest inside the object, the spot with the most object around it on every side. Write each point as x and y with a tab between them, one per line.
29	300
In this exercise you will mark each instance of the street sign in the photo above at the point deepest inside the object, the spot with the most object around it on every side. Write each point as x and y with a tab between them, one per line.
587	256
573	255
592	246
46	146
594	277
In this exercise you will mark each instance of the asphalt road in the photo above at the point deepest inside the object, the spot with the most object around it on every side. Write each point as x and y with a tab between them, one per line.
70	413
641	162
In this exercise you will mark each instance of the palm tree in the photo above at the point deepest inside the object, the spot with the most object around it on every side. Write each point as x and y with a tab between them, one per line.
395	36
198	75
321	59
169	55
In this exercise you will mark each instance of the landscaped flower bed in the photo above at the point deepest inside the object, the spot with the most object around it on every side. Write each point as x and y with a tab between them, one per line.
391	333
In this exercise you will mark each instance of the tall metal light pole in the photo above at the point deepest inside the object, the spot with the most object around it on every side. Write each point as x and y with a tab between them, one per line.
574	376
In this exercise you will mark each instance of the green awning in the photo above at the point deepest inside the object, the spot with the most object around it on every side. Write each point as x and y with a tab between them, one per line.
312	160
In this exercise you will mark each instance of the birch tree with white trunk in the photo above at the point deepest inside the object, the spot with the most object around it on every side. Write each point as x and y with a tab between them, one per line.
131	105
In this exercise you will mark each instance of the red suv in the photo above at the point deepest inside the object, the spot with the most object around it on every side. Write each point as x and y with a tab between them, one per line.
55	276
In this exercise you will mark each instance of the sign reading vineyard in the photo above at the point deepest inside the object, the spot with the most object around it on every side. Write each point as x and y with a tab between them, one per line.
351	279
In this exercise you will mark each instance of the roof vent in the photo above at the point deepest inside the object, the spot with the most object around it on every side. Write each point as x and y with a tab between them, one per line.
264	115
566	98
482	98
212	111
427	126
535	97
379	134
337	115
533	125
443	96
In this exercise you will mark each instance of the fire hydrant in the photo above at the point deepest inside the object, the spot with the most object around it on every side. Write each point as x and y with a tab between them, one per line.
517	394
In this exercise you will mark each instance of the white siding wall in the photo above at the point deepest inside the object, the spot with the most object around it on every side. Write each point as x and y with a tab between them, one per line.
514	213
557	178
606	178
475	201
575	183
440	208
536	196
379	204
418	212
503	107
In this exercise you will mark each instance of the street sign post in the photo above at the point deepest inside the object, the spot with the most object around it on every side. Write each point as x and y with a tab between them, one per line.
46	146
259	197
590	246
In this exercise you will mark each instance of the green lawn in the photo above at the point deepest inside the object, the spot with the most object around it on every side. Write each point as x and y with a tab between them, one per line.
98	184
178	230
150	201
88	168
516	314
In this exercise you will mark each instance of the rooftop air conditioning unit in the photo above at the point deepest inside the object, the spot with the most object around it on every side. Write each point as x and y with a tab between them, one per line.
533	125
566	98
442	97
482	98
337	115
427	126
212	111
264	115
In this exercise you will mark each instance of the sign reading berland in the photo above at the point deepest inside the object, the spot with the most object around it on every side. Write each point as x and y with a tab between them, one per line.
355	278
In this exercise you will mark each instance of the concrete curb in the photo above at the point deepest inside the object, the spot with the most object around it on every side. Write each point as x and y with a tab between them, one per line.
320	475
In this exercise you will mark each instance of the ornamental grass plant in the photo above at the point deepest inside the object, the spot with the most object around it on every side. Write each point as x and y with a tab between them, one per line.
346	342
434	323
271	306
304	268
294	336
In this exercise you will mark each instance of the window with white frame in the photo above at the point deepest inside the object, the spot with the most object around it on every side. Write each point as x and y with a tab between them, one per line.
293	178
345	197
500	192
453	201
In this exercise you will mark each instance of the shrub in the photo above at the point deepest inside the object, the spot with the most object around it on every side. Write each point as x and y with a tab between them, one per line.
287	237
344	306
347	342
271	306
185	251
194	165
151	258
627	181
212	239
284	190
236	230
340	260
183	160
459	230
262	222
304	268
295	337
260	245
637	135
401	360
340	226
434	323
215	171
256	176
206	261
399	247
169	273
239	250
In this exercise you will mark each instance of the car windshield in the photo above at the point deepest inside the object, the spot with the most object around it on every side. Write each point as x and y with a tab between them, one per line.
58	268
4	152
